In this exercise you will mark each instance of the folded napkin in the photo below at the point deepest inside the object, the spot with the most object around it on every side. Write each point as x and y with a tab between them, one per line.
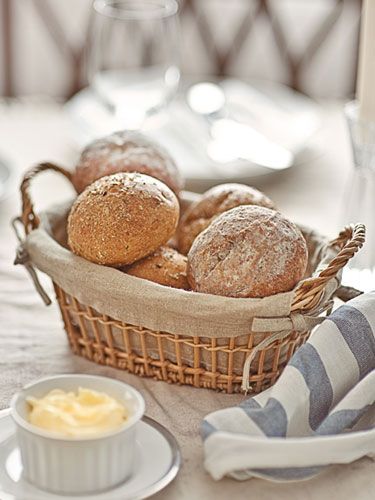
321	411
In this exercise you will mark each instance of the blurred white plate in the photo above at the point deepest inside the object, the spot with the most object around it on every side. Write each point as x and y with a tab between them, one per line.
157	464
284	116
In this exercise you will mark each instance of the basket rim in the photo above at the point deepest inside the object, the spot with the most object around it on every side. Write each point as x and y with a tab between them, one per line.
211	311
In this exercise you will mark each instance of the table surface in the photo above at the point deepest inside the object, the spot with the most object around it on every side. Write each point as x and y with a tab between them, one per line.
33	343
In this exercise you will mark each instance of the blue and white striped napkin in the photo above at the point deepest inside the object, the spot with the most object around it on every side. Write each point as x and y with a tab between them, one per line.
321	411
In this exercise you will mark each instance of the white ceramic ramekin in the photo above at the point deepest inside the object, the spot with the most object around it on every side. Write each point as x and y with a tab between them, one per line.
72	465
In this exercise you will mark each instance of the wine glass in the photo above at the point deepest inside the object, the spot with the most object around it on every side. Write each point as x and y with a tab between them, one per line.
133	64
360	198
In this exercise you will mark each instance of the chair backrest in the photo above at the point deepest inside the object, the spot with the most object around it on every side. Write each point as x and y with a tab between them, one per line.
311	45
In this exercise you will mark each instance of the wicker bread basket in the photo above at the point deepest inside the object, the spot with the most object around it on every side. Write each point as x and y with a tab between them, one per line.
254	359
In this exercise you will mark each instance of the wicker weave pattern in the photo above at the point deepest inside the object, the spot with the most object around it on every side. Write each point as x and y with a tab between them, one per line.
214	363
120	345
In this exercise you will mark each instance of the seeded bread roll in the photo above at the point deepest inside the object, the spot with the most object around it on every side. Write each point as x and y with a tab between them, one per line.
215	201
248	251
165	266
122	218
126	151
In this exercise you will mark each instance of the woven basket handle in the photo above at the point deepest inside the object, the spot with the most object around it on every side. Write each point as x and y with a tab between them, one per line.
29	219
349	241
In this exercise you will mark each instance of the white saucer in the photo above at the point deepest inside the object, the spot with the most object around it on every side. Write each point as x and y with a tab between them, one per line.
157	463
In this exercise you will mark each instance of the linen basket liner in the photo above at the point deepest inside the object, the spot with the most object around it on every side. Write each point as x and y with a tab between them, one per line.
149	305
144	303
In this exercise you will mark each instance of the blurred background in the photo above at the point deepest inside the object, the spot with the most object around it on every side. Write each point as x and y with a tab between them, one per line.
311	45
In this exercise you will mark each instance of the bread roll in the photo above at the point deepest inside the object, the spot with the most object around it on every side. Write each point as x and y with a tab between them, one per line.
215	201
122	218
165	266
248	251
126	151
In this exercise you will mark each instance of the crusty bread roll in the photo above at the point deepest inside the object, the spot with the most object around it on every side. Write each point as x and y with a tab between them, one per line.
122	218
165	266
215	201
126	151
249	251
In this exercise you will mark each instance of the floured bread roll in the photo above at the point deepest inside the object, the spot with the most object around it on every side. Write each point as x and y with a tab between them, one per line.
248	251
122	218
165	266
126	151
215	201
